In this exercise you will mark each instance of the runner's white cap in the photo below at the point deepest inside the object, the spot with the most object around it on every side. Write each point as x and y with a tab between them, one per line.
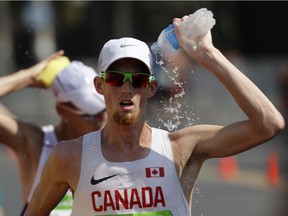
126	47
75	84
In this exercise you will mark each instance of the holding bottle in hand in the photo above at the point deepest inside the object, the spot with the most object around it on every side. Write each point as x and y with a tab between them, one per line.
193	26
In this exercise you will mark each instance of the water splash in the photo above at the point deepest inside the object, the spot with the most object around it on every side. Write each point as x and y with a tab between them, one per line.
197	196
176	108
178	113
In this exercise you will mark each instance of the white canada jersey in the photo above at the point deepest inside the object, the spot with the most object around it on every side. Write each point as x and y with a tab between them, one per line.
144	187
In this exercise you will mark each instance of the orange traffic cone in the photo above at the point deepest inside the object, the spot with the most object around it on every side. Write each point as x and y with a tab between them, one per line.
273	169
228	168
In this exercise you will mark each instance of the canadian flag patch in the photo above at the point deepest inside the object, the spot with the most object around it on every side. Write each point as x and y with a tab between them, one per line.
154	172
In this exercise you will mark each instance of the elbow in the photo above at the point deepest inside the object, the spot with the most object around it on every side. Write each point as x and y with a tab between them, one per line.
278	124
274	126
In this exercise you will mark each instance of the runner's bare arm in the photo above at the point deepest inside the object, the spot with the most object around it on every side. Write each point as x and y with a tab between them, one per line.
60	173
264	120
17	134
13	132
24	77
24	138
52	186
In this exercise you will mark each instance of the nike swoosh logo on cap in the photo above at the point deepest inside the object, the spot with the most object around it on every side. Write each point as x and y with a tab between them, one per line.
97	181
125	45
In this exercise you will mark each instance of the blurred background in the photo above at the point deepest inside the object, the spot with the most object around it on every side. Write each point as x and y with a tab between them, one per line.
252	35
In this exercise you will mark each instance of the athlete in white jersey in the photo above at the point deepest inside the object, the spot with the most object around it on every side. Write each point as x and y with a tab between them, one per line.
149	185
130	168
81	110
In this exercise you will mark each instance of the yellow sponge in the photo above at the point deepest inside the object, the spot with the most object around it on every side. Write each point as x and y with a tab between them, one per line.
55	66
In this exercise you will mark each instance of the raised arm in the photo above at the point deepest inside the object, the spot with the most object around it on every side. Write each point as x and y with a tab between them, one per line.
24	77
264	121
13	132
24	138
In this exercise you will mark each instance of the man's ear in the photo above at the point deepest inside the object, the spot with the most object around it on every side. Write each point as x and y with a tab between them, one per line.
153	88
98	83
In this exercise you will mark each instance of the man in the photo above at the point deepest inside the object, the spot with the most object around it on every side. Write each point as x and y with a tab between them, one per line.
130	168
81	110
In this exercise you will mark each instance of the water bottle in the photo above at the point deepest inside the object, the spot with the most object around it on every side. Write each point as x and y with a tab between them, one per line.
168	46
195	25
55	66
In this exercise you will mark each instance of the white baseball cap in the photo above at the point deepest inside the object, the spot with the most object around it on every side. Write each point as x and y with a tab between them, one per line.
126	47
75	84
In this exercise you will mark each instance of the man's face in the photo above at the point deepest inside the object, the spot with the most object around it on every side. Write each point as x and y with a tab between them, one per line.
125	103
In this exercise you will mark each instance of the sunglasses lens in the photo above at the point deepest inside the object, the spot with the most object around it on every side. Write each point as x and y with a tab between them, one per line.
114	79
140	80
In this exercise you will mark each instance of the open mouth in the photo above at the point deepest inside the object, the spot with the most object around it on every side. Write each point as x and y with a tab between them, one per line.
126	103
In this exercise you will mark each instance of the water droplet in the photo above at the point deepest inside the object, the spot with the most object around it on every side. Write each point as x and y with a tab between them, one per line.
176	109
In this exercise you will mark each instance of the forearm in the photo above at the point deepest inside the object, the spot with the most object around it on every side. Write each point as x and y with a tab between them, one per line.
14	82
30	212
26	77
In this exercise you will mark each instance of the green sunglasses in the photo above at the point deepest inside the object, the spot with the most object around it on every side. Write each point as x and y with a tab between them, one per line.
117	78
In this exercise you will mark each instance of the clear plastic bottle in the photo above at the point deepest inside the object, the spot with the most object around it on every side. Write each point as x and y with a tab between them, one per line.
195	25
167	45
